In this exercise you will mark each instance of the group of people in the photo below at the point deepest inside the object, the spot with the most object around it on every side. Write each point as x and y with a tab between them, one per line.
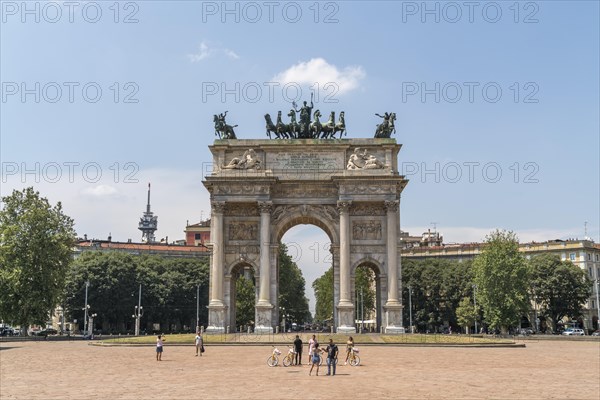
314	353
160	340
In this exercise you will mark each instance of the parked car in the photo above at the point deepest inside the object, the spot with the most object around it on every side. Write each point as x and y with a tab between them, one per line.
596	333
574	332
46	332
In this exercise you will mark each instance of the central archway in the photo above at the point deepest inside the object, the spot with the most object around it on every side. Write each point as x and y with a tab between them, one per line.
309	249
293	182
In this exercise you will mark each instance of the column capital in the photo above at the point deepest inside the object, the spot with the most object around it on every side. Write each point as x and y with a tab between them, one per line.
218	207
344	206
265	206
392	206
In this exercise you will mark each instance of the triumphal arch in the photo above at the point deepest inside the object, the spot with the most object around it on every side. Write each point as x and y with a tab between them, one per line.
259	189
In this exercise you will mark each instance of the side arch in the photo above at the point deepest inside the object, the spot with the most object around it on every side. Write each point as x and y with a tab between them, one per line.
378	267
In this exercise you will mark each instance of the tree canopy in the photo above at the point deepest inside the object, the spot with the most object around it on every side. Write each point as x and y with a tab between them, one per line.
323	287
292	288
501	276
36	241
169	287
437	288
558	287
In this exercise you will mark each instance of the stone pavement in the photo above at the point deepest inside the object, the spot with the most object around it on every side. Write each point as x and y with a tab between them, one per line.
76	370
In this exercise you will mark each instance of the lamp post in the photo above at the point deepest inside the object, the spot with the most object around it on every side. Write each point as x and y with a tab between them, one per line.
198	308
91	324
138	312
85	309
475	303
282	319
362	314
410	309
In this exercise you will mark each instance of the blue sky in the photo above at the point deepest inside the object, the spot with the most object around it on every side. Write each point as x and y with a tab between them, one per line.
502	87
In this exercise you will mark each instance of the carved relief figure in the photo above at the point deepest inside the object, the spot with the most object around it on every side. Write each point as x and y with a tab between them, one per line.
362	160
248	160
243	231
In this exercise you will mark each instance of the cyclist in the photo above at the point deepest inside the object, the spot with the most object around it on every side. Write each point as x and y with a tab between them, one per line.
349	346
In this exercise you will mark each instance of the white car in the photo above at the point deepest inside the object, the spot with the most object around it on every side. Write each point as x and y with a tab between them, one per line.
574	332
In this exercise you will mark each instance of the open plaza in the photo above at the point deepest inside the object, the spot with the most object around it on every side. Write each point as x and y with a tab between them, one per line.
542	369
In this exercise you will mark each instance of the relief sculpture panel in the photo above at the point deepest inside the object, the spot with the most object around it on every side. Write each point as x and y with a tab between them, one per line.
366	230
243	231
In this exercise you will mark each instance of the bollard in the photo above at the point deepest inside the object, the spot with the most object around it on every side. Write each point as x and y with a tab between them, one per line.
202	330
249	329
227	331
277	329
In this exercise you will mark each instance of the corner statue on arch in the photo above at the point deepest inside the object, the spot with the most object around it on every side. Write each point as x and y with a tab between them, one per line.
303	127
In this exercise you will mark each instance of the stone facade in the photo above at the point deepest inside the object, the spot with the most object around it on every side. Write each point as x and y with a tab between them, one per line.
259	189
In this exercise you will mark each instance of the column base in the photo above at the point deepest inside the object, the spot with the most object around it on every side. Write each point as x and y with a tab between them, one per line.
216	318
264	313
345	322
214	329
393	318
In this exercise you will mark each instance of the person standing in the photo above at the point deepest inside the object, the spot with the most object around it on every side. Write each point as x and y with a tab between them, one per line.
199	344
315	360
312	345
298	350
349	346
332	354
159	347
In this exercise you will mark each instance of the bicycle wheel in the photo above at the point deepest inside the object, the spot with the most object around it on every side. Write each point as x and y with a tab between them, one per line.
272	361
287	361
354	361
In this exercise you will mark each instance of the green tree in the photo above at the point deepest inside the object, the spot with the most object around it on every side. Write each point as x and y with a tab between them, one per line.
323	287
501	276
437	288
292	288
365	292
466	314
559	287
245	298
36	241
168	290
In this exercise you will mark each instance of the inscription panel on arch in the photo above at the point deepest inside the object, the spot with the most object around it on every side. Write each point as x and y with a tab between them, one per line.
305	161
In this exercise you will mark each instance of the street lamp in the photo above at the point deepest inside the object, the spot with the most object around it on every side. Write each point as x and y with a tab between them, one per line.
410	309
137	314
198	309
91	324
282	318
475	303
85	309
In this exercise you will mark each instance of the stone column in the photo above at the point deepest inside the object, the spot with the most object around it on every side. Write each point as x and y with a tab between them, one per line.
345	307
216	306
216	235
344	210
263	306
264	295
393	307
392	251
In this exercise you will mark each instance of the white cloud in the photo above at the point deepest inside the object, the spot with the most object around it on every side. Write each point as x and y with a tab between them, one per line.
206	51
100	191
319	70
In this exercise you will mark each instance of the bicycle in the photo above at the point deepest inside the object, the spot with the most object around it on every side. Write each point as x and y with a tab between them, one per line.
289	357
353	358
273	359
